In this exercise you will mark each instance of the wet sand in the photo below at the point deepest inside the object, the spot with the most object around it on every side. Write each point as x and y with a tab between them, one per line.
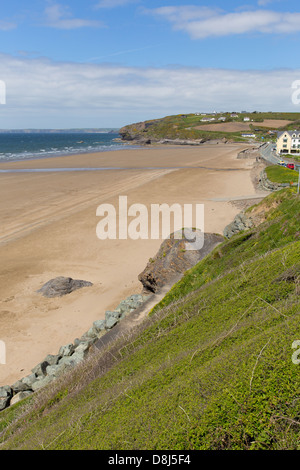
48	229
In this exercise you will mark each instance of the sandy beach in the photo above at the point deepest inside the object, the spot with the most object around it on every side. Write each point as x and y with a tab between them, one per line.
48	229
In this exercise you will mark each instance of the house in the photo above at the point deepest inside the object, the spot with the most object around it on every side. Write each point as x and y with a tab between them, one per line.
234	115
248	134
246	119
208	119
222	118
288	142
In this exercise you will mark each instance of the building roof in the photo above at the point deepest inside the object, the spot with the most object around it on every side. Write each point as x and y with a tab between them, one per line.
290	133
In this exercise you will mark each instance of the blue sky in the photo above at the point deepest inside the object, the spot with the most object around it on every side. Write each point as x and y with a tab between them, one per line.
106	63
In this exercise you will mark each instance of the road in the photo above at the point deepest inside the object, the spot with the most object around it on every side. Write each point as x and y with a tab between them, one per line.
269	155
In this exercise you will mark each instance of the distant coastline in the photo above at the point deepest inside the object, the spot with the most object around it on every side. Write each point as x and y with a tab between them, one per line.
109	130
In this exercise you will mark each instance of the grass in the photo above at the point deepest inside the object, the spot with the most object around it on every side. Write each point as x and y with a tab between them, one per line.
209	369
183	126
295	157
280	174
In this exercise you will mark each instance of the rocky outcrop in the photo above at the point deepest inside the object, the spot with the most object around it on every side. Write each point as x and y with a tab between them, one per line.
241	222
61	286
138	132
173	259
181	141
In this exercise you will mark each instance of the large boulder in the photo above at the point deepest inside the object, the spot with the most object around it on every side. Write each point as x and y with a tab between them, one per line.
173	259
61	286
5	396
240	223
20	396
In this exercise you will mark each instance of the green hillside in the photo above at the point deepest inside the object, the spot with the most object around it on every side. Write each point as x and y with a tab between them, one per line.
210	368
185	126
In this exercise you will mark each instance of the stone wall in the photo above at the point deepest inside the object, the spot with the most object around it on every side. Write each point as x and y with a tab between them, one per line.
69	355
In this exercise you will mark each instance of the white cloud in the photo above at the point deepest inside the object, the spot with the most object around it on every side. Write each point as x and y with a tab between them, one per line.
203	22
7	25
114	3
43	93
59	16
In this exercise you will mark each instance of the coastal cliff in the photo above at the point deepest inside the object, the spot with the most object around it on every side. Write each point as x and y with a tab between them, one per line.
169	130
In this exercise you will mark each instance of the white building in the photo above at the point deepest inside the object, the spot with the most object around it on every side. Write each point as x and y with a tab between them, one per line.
288	142
208	119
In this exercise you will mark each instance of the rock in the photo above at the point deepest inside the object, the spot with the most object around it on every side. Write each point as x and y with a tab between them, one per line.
172	260
65	364
41	382
81	352
4	403
99	325
52	359
40	369
66	350
111	322
5	397
91	334
68	361
241	222
20	396
20	386
29	380
112	314
61	286
52	370
6	391
85	339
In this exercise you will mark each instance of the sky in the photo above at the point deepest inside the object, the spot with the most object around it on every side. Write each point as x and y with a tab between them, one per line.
108	63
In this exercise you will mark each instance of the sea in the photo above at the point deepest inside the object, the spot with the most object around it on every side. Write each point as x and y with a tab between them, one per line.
27	146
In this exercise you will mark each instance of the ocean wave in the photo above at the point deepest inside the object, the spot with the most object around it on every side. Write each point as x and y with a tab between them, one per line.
55	152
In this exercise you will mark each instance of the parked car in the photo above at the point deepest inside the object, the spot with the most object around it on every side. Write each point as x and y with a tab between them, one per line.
282	163
291	166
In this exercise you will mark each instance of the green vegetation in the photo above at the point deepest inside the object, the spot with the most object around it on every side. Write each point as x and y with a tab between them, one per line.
183	126
281	174
295	157
210	368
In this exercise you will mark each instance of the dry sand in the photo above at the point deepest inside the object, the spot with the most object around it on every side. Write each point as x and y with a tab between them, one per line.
48	229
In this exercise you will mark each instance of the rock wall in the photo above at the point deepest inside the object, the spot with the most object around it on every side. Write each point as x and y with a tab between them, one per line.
268	185
69	355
